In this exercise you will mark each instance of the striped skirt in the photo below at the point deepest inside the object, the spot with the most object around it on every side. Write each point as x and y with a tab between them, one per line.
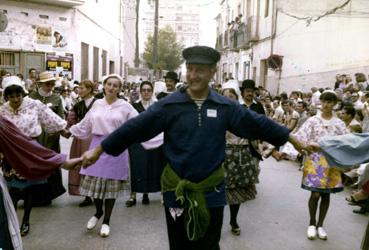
101	188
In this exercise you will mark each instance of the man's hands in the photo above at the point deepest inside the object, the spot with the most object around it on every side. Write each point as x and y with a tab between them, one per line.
91	156
299	146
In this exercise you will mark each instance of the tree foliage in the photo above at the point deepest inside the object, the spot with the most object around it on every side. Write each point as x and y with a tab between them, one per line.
169	51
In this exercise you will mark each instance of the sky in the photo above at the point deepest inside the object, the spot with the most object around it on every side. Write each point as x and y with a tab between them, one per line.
209	10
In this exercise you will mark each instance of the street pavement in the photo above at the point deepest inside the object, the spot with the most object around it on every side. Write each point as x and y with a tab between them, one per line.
276	219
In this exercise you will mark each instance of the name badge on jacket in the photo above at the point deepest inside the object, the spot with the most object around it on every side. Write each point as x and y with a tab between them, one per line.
212	113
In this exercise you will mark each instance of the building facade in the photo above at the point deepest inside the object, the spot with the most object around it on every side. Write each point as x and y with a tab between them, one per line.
182	15
289	45
84	39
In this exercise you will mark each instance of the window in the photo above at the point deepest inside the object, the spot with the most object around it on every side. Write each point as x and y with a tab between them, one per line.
179	27
266	14
236	71
246	70
7	58
104	62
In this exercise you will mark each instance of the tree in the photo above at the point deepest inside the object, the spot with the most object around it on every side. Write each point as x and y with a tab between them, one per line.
169	51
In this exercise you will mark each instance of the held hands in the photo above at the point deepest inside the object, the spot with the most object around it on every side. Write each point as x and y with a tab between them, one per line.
313	147
302	147
91	156
72	164
65	133
299	146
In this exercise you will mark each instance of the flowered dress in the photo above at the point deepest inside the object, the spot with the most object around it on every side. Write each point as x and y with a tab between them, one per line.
317	174
241	170
31	117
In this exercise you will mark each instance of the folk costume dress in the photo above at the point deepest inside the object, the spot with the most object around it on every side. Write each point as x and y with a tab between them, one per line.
106	178
54	186
241	170
318	175
241	165
30	160
30	118
78	146
146	166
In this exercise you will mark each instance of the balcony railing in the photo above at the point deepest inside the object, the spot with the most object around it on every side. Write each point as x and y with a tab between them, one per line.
233	39
226	39
62	3
242	41
219	44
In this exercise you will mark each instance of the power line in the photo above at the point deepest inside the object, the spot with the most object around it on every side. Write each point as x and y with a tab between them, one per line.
310	19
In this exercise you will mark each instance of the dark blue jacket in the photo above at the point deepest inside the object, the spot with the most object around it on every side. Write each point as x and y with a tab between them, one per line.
194	139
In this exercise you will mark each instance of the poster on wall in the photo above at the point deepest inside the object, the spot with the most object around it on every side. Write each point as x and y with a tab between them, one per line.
59	41
43	35
60	65
51	39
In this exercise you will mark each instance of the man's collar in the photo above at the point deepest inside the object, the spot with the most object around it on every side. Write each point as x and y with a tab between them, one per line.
181	96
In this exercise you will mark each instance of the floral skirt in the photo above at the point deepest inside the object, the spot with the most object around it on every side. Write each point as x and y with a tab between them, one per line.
100	188
241	174
319	176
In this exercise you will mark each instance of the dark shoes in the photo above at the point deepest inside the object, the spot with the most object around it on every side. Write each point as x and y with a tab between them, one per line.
131	202
24	228
361	211
145	199
86	202
351	201
236	230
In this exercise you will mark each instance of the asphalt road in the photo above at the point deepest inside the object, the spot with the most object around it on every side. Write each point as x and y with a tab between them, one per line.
277	219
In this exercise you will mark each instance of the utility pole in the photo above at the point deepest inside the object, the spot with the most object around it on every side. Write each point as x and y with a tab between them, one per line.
137	51
155	42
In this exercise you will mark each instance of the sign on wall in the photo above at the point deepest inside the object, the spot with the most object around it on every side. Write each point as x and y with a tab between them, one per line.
60	64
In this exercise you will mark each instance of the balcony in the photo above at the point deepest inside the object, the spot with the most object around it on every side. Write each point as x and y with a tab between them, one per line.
252	29
247	33
219	44
60	3
226	39
242	39
233	40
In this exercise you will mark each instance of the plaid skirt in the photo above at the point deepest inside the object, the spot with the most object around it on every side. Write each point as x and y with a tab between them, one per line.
101	188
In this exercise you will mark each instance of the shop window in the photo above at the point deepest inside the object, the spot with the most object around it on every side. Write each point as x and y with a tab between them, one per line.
7	59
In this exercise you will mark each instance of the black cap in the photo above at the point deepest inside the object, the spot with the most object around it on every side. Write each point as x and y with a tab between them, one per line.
172	75
201	55
248	84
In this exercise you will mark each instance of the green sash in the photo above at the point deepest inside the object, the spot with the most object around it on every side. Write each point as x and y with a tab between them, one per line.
192	197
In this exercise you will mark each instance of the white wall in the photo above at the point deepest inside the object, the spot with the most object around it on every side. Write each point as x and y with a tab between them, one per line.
100	25
21	31
97	24
313	55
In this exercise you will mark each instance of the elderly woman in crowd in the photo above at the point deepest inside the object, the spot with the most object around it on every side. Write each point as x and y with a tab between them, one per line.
30	116
86	93
241	165
146	165
104	181
44	93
